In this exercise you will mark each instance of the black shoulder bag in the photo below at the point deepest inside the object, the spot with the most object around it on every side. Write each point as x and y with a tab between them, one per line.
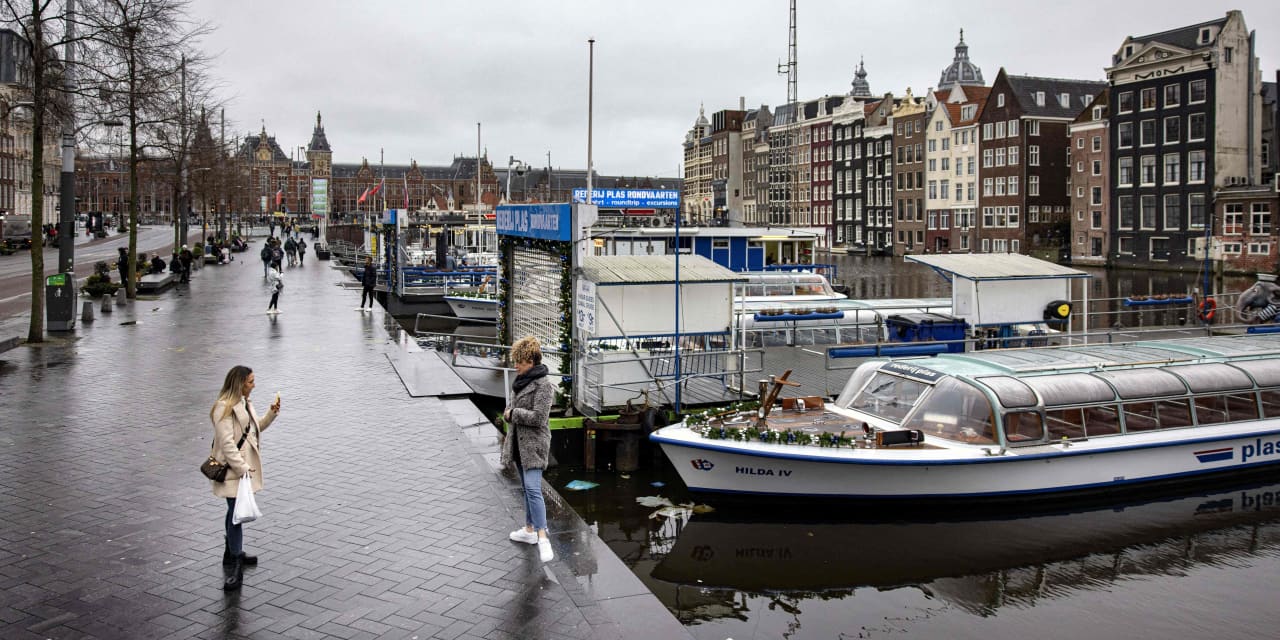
215	470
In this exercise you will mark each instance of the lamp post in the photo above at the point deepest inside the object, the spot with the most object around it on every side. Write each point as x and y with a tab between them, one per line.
519	166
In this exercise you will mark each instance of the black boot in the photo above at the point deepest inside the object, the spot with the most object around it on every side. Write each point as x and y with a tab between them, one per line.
245	559
234	575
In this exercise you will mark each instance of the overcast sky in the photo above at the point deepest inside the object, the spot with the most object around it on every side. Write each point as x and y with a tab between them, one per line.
415	77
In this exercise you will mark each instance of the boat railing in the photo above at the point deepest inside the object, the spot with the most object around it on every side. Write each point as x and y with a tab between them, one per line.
611	378
1153	310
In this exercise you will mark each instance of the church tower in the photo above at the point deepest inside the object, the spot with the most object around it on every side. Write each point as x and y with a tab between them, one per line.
861	88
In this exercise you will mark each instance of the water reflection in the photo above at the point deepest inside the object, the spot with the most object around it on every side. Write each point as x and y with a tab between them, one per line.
719	562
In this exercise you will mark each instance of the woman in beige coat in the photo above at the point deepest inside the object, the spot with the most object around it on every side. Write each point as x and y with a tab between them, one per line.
233	417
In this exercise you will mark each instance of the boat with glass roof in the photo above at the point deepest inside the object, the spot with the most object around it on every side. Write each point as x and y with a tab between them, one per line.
1014	423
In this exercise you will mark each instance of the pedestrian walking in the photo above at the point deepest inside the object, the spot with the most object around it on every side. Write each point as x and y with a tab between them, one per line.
237	429
368	280
277	254
122	263
275	280
527	444
302	250
187	258
272	233
291	248
266	255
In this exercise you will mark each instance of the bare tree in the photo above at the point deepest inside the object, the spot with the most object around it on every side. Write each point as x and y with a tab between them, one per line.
39	23
140	79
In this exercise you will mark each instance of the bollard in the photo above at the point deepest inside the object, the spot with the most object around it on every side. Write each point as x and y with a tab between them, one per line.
106	304
122	297
86	312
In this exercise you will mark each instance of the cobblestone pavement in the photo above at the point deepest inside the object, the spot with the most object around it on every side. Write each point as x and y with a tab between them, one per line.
381	517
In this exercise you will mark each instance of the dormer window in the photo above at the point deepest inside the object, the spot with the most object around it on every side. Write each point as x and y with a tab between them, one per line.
1204	35
1128	50
1039	98
999	99
1065	100
1097	113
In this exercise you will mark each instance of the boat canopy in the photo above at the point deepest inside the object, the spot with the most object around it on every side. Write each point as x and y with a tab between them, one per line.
776	283
1038	396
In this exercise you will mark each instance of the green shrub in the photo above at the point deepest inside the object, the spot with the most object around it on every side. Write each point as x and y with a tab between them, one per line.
98	285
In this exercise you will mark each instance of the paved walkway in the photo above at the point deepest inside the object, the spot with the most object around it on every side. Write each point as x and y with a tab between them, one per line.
383	515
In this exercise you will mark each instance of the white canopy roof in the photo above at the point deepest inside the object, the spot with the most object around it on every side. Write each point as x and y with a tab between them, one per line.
994	266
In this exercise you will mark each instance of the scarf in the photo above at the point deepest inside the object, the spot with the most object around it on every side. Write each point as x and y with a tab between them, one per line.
525	379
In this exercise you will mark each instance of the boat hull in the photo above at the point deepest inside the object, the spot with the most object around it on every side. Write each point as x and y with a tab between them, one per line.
473	308
965	472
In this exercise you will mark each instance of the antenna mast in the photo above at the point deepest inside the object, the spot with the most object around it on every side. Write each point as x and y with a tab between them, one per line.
793	133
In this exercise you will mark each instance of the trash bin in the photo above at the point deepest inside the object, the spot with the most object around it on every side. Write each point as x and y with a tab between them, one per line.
927	327
60	302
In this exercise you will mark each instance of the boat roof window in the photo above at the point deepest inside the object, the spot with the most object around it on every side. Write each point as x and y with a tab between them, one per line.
955	410
888	396
1070	388
1265	372
857	381
1143	383
1212	377
1011	392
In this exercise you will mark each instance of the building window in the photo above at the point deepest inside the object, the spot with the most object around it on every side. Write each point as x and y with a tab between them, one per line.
987	131
1233	219
1000	131
1033	127
1198	90
1013	185
1013	218
1033	155
1080	166
999	99
1095	196
1097	144
1033	214
1148	131
1260	220
1097	167
986	187
1124	171
988	217
987	155
1126	212
1013	155
1000	157
1033	185
1124	103
1148	165
1148	212
1013	128
1172	129
1124	246
1172	168
1195	127
1172	95
1000	186
1148	97
1195	211
1124	135
1195	166
1159	249
1095	219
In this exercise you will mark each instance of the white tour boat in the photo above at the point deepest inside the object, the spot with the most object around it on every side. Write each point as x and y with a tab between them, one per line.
1011	423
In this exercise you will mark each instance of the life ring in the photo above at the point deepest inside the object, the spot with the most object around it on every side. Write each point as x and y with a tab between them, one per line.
1207	309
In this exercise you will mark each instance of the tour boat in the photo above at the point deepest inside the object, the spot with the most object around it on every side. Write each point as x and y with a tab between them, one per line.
1001	424
479	306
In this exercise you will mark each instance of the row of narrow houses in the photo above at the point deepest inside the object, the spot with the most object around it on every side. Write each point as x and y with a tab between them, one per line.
1169	160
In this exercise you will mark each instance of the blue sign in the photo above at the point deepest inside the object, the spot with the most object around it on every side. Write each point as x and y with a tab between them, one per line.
630	198
540	221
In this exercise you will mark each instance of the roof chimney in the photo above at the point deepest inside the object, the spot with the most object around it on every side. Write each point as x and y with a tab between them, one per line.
742	103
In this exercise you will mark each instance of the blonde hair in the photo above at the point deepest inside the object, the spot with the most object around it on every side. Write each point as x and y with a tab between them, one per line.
527	350
230	396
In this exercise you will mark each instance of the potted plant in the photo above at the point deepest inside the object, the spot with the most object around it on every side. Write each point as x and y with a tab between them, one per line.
99	284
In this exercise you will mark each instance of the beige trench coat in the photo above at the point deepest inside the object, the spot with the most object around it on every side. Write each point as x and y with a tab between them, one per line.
226	433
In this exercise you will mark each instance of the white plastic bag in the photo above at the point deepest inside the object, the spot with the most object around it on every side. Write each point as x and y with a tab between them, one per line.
246	506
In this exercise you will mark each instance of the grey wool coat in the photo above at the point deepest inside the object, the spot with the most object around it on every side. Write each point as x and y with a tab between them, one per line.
530	409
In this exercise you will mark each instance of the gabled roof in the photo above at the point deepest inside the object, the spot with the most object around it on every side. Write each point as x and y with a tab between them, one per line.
1025	89
1100	100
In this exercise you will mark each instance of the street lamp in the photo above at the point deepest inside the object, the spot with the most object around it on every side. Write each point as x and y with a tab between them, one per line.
520	168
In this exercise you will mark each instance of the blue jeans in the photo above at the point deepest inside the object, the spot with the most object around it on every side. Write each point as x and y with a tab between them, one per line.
235	532
535	510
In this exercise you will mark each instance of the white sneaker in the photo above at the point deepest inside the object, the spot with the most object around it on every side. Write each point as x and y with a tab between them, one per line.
527	537
544	550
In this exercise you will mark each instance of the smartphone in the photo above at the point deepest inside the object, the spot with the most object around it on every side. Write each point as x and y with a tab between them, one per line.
277	398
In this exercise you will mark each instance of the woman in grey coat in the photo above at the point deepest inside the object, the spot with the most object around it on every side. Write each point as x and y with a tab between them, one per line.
527	446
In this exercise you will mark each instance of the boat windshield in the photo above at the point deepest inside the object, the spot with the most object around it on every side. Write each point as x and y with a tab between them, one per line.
956	411
888	396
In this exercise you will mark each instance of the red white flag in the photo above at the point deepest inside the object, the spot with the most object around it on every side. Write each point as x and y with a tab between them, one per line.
363	196
406	191
377	187
279	196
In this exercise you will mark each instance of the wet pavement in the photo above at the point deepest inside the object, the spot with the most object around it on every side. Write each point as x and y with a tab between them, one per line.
383	514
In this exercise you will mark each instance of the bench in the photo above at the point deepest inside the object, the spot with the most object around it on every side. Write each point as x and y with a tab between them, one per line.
156	282
9	343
